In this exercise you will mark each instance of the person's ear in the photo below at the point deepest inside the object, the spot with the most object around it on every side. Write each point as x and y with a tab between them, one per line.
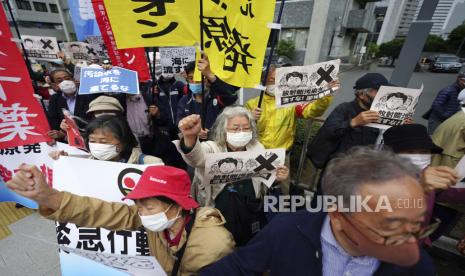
336	221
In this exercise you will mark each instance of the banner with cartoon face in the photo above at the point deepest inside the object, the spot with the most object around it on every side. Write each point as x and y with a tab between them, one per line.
394	105
230	167
303	84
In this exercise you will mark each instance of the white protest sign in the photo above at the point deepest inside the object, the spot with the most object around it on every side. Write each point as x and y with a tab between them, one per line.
394	105
302	84
229	167
79	50
133	265
41	47
109	181
174	59
460	168
96	42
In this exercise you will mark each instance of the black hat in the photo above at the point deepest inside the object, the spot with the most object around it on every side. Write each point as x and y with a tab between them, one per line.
371	80
409	137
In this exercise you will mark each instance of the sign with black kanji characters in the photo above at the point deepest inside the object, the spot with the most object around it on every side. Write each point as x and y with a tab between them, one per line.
303	84
394	105
109	181
41	47
230	167
80	51
173	60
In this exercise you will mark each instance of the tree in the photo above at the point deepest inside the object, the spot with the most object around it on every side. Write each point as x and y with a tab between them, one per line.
435	43
455	38
373	49
286	48
391	49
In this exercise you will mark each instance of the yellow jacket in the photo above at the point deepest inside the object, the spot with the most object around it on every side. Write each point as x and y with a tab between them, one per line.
276	126
208	242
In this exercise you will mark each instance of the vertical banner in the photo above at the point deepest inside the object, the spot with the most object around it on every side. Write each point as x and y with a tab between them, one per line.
22	119
83	17
173	60
5	31
132	59
155	23
41	47
236	34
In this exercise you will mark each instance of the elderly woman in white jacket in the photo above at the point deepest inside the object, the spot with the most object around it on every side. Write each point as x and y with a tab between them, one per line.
234	130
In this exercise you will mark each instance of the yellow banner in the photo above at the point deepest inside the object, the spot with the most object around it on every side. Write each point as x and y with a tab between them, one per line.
148	23
235	38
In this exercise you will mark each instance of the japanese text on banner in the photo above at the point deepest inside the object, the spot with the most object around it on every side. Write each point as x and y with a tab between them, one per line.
154	23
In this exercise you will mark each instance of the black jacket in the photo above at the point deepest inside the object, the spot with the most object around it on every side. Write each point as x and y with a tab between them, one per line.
336	135
58	102
290	245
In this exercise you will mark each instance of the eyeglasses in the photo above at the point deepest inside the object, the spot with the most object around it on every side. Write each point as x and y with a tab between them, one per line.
239	129
400	239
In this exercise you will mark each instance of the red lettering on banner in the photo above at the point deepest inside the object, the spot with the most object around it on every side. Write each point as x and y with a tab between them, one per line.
22	119
132	59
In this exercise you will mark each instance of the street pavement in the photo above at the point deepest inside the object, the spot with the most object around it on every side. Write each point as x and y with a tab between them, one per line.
30	250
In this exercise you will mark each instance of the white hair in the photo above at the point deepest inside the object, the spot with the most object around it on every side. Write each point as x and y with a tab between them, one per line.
221	123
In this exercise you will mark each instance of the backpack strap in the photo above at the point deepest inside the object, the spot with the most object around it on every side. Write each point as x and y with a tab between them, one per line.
180	252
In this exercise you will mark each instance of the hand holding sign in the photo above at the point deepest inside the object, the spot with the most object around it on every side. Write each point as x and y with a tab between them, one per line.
438	178
364	118
30	182
282	173
204	67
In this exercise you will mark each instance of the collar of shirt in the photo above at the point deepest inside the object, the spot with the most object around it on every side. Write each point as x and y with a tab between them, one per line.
134	98
175	241
69	97
336	261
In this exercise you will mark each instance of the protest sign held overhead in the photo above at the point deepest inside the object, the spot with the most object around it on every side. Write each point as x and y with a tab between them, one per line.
97	44
80	51
304	84
132	59
236	34
394	105
154	23
41	47
229	167
117	80
174	59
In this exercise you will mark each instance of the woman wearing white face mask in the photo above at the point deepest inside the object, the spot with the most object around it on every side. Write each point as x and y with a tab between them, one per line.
109	138
234	130
181	235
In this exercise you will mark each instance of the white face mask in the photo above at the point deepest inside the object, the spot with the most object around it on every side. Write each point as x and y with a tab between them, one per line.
103	151
158	222
420	160
239	139
270	89
167	76
67	86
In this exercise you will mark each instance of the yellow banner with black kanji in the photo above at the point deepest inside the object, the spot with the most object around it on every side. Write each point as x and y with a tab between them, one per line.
149	23
235	38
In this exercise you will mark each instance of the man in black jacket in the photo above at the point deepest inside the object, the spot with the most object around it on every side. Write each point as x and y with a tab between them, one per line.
63	83
345	126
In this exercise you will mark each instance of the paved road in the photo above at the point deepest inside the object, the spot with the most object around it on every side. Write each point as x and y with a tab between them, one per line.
432	82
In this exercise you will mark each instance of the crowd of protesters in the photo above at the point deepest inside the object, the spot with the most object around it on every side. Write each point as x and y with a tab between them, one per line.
197	228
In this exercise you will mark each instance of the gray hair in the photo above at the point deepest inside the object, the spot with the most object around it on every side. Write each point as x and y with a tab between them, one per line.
348	172
221	123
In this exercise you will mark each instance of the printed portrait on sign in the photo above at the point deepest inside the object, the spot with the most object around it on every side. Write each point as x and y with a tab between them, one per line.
294	80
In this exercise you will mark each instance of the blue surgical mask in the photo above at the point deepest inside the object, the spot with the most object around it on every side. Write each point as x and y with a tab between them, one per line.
196	88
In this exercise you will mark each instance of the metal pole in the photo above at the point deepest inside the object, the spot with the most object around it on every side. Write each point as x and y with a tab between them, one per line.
274	36
62	18
203	107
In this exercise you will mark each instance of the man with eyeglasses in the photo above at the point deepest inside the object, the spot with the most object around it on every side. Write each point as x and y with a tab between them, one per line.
381	238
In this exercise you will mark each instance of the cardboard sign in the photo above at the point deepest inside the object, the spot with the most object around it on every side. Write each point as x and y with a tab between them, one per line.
80	51
116	80
173	60
303	84
41	47
394	105
229	167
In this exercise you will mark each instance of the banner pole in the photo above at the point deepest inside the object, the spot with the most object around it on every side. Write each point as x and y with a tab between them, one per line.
274	36
203	107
